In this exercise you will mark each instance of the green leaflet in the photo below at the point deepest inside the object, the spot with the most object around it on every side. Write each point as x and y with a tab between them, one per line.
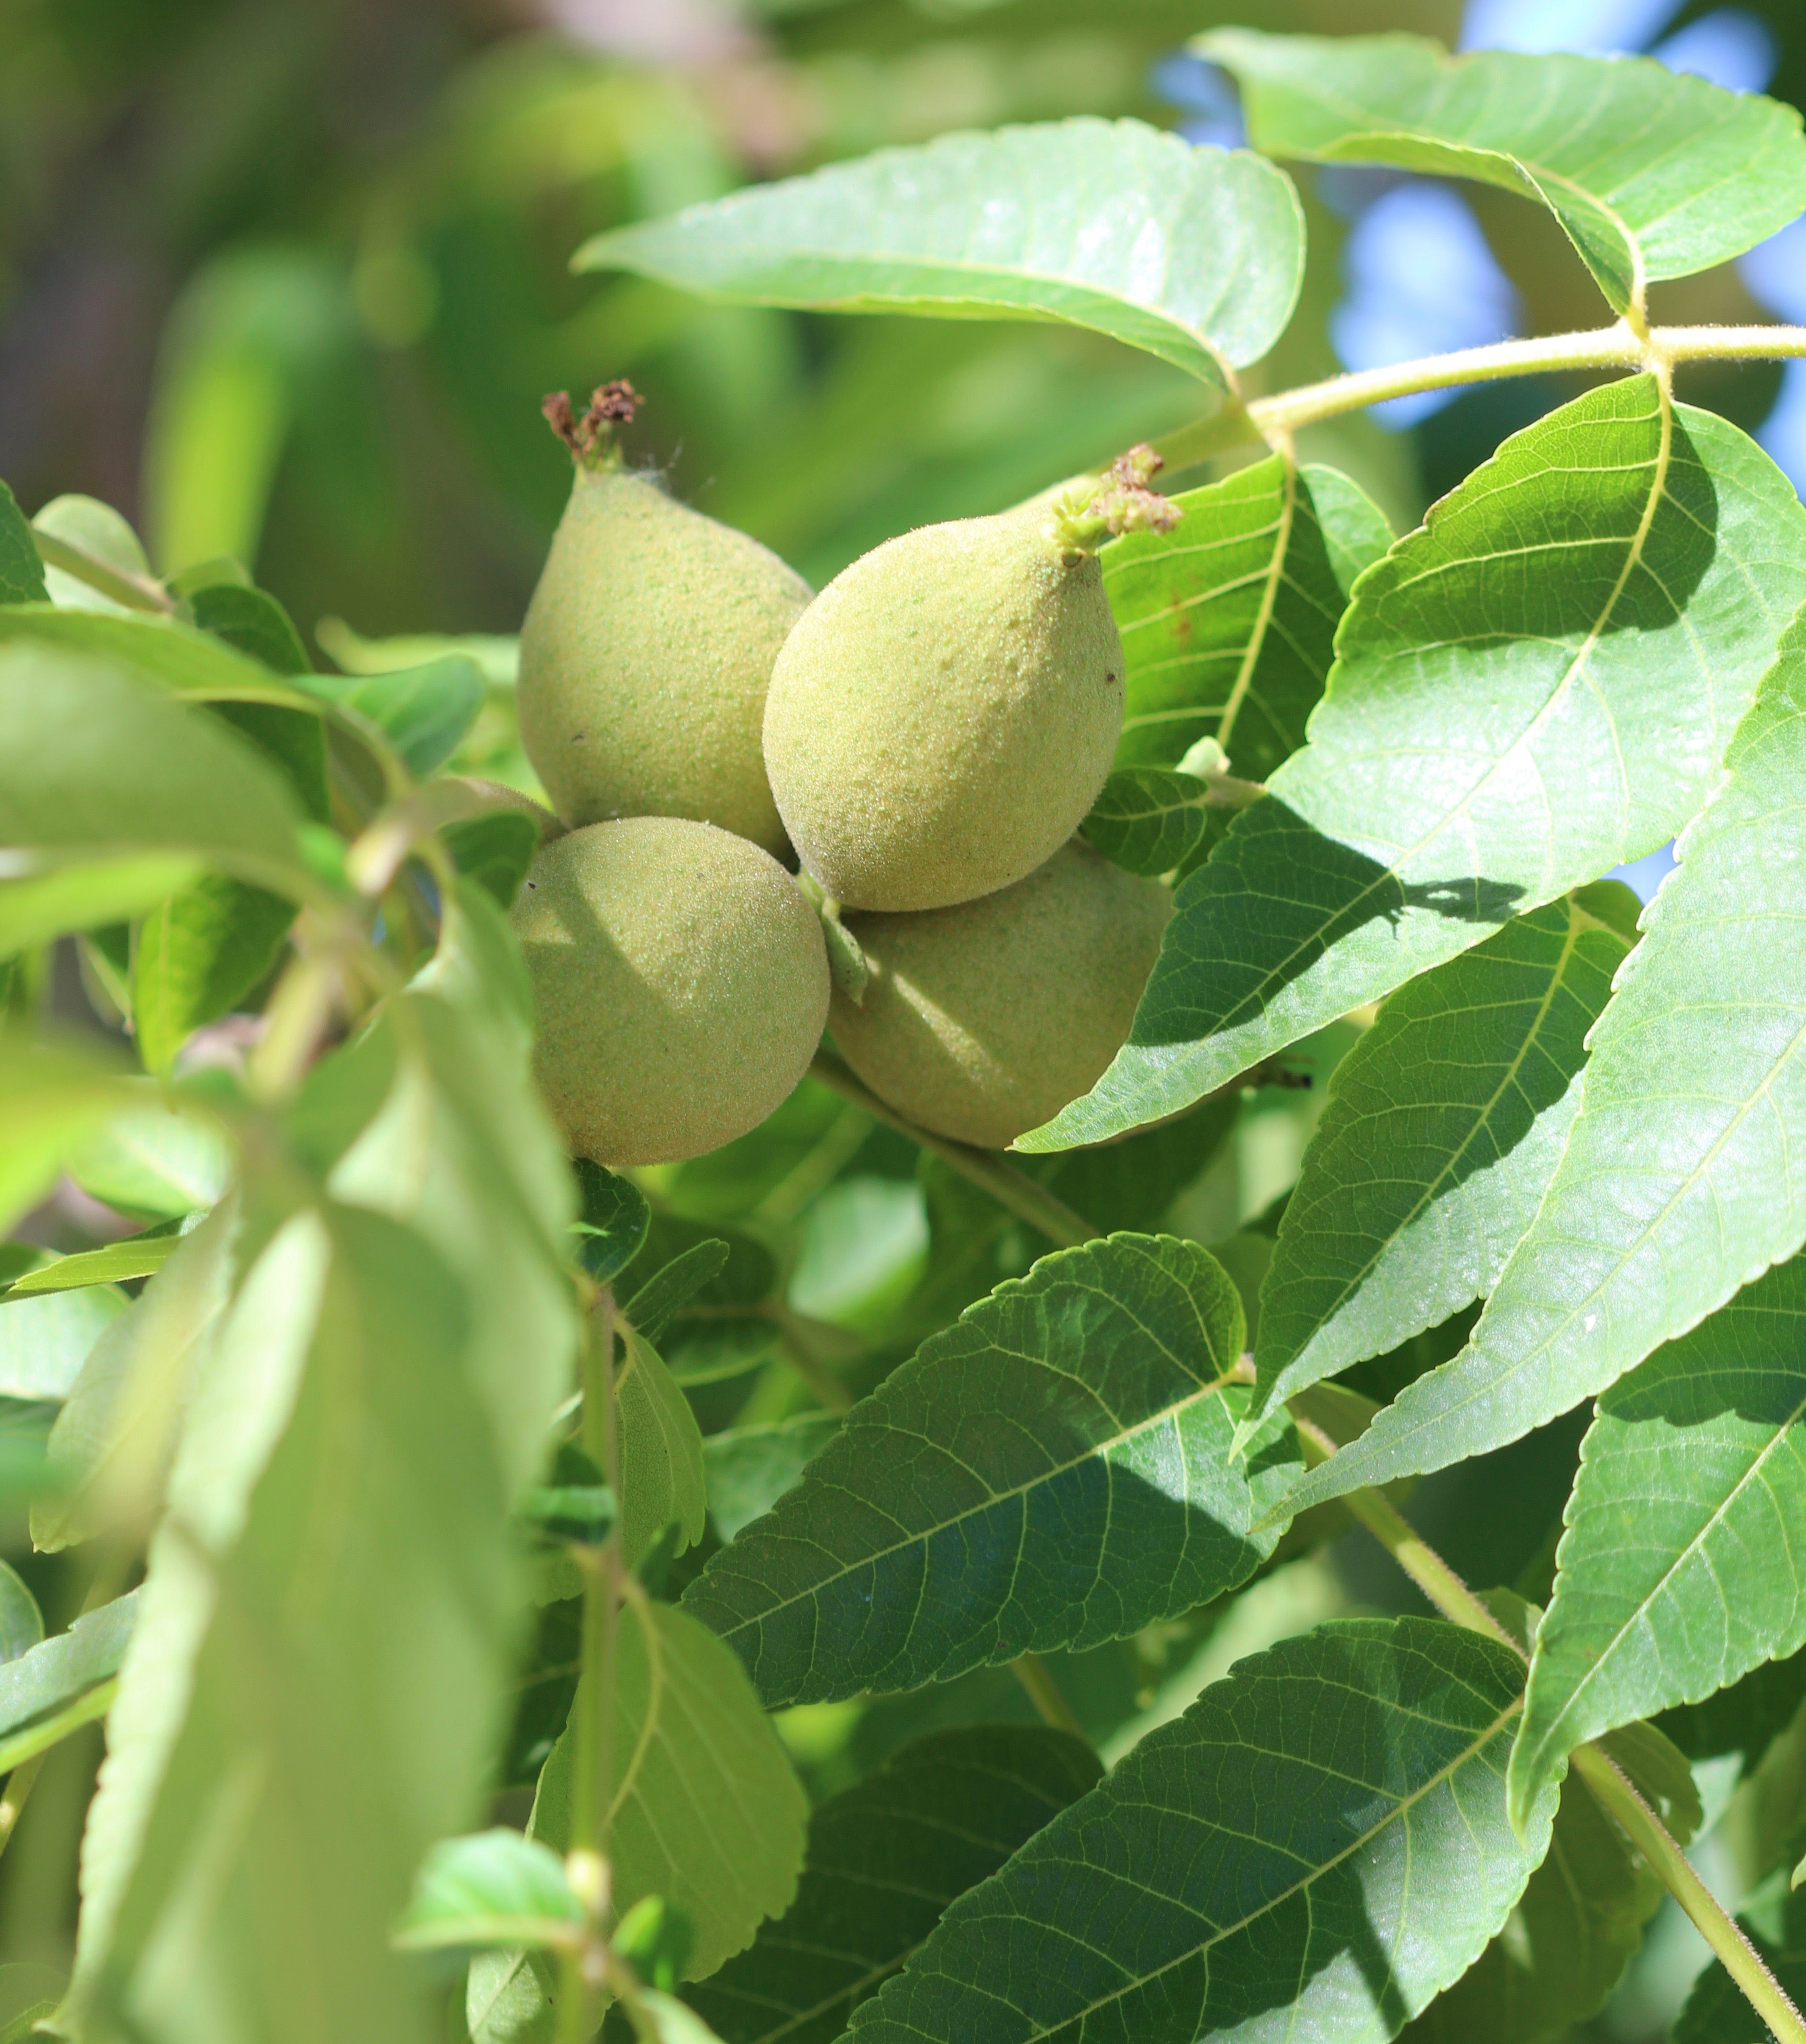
21	1623
661	1452
1052	1471
1677	1184
1228	619
1576	1927
139	1255
21	571
47	1679
198	955
1509	717
707	1810
1652	175
113	1439
1316	1848
1443	1128
1193	254
252	620
193	662
266	1634
492	1887
53	1096
328	1623
1692	1487
1148	819
45	1337
423	711
750	1468
99	766
158	1161
884	1858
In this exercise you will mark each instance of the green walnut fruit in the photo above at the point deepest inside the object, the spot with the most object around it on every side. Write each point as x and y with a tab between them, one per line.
681	984
944	713
983	1020
645	658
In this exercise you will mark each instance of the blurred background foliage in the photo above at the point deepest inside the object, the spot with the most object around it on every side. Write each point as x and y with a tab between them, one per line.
285	279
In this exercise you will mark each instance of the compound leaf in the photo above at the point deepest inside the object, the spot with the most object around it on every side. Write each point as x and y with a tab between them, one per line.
1691	1488
1228	619
1652	173
1677	1184
1442	1130
1193	254
1052	1471
1536	684
884	1860
1316	1848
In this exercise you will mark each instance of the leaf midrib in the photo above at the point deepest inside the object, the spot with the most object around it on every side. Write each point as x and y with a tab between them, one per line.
1711	1524
1254	1002
1480	1741
1055	1470
1482	1120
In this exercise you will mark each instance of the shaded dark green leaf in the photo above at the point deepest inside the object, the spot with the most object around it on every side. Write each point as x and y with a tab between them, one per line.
884	1860
1316	1848
1050	1472
495	850
21	571
612	1223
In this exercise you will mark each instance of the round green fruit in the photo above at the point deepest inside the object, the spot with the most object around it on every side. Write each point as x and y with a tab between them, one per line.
644	660
681	985
983	1020
943	715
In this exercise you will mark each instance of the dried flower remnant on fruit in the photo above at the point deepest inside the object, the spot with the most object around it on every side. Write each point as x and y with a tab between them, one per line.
648	646
943	715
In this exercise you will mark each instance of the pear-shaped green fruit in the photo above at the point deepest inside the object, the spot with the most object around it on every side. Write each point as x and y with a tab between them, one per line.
681	985
983	1020
645	658
944	713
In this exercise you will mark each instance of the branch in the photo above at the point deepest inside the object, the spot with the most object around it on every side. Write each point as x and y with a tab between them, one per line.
1606	348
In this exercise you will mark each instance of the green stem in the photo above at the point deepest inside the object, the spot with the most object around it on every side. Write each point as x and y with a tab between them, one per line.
1037	1678
19	1785
1639	1823
1605	347
1714	1922
593	1760
137	591
1006	1184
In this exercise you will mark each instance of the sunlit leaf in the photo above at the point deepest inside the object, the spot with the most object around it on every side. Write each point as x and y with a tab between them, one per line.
1692	1476
708	1812
1536	684
1193	254
45	1337
661	1452
1677	1184
492	1888
1228	619
1442	1130
423	712
1652	173
48	1678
